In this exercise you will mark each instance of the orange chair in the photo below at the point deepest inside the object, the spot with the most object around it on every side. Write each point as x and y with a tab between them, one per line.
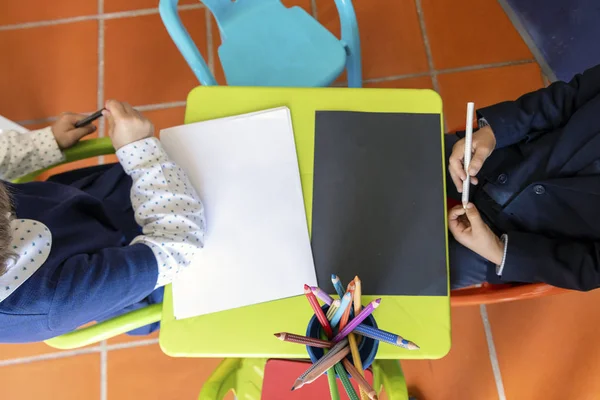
491	294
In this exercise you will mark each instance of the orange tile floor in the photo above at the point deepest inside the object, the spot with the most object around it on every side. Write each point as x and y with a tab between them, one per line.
73	54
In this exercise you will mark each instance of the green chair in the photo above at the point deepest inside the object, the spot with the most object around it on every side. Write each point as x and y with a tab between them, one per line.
244	376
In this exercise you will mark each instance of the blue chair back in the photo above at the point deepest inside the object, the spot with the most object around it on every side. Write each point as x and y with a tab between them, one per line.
266	44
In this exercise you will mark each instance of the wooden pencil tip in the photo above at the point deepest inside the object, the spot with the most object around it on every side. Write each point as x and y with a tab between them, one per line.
376	303
306	287
280	336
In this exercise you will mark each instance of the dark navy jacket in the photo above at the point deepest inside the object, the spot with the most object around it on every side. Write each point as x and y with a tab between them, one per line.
545	178
91	272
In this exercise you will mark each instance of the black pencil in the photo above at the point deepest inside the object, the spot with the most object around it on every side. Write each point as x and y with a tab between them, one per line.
89	119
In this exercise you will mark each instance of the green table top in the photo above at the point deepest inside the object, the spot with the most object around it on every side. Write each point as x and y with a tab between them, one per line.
248	331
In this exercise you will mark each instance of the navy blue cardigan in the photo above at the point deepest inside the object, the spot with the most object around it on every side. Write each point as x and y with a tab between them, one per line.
91	272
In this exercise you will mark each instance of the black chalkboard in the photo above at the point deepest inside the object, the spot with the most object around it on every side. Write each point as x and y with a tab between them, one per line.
378	202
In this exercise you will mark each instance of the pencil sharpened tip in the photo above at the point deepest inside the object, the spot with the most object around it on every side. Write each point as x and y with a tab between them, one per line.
376	302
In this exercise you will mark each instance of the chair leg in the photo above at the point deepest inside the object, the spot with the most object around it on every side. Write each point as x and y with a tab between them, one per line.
183	41
351	39
388	374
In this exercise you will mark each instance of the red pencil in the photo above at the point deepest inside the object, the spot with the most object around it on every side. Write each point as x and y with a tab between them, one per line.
314	303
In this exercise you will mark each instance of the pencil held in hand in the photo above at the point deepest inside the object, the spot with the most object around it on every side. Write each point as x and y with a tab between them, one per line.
305	340
468	151
318	311
89	119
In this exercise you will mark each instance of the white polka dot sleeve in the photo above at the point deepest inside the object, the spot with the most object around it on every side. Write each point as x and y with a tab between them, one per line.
165	205
22	153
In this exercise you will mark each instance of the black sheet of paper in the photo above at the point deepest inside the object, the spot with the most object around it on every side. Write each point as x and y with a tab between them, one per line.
378	202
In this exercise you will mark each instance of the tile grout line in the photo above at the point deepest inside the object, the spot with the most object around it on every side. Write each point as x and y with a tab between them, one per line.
94	17
50	356
100	94
77	352
103	371
173	104
492	352
432	70
313	8
209	42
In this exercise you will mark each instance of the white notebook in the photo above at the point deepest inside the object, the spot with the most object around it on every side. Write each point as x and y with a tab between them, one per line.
257	246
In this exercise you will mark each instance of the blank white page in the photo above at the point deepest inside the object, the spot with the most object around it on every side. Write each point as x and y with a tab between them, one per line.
257	246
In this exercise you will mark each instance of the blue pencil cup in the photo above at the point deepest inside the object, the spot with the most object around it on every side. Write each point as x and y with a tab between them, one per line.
367	347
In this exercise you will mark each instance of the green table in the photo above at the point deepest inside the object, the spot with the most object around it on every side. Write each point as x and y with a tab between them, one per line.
248	331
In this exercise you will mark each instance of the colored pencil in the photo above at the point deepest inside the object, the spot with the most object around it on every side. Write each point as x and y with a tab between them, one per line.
320	293
308	341
339	346
333	308
352	340
318	368
468	151
337	284
89	119
333	389
357	320
346	314
314	303
346	382
384	336
346	300
362	382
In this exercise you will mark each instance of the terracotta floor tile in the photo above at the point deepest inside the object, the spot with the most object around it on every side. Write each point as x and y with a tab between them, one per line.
465	373
150	374
19	11
306	4
12	351
120	5
484	87
147	68
470	32
422	82
547	347
69	378
51	69
391	41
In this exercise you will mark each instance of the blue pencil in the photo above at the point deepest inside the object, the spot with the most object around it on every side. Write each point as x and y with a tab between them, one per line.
385	336
346	300
337	284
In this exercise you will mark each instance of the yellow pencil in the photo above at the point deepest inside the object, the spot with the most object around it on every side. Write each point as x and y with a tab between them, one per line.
352	338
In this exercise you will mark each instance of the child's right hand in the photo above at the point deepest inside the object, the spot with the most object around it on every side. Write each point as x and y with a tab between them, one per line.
125	124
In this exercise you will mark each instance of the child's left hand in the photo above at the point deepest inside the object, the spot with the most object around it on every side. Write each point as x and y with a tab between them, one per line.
66	134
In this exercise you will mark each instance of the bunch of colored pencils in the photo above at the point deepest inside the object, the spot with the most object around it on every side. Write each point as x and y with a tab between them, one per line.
341	324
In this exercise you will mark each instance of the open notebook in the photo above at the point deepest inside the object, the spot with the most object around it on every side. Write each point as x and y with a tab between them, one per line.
257	246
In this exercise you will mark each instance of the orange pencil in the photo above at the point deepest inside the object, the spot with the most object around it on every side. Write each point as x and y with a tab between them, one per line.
314	303
352	338
346	314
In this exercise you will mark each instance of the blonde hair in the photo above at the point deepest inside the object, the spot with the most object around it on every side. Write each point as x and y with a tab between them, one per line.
6	216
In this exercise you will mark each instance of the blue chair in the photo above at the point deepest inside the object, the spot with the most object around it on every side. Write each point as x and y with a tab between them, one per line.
266	44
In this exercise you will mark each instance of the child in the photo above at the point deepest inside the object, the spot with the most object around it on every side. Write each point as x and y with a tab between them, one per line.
93	243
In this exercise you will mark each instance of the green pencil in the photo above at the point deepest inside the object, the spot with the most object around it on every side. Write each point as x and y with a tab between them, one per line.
333	389
346	382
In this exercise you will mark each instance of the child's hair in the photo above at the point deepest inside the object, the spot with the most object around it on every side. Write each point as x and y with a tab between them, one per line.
6	216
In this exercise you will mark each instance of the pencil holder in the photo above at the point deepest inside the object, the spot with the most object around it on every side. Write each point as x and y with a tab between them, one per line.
367	347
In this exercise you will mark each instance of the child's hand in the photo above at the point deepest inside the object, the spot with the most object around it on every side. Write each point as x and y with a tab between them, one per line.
484	142
126	125
471	231
66	134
